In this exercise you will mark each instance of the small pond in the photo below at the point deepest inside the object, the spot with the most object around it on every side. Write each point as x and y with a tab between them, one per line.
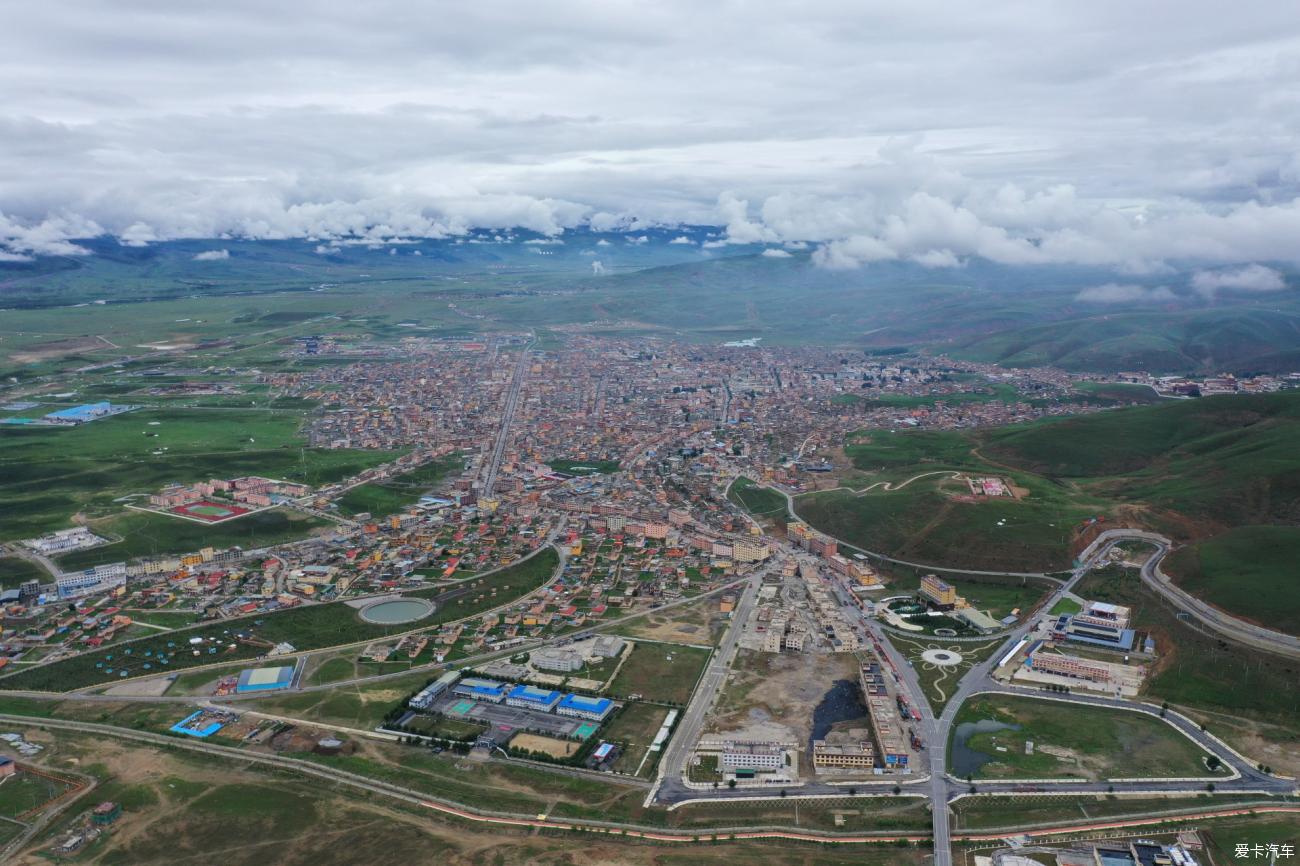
965	760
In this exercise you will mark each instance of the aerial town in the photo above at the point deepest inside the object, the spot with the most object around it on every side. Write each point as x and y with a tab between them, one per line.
600	568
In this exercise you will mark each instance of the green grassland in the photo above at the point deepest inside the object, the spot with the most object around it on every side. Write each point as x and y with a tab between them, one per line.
49	474
660	672
22	792
755	498
306	627
1249	570
1190	468
144	534
381	498
361	706
14	570
1014	315
1264	830
1246	336
924	523
1101	743
634	729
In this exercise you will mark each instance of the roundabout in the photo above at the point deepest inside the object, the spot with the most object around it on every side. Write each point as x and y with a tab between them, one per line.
942	657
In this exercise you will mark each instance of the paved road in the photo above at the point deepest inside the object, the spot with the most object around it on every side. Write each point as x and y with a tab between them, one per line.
1224	623
507	416
688	730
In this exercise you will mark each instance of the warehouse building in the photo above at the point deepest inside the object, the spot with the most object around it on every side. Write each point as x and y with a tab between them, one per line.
427	695
595	709
843	756
480	690
533	698
265	679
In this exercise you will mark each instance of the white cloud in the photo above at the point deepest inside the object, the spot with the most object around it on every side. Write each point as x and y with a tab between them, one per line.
681	239
602	243
852	252
1251	278
382	124
937	259
212	255
1124	293
597	268
776	254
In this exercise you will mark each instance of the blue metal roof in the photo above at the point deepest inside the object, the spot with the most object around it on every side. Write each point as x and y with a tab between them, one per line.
589	705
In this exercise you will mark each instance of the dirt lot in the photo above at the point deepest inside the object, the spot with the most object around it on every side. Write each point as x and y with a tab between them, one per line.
699	623
552	746
772	696
58	348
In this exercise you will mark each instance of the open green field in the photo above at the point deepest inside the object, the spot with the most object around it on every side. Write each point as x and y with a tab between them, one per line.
634	729
381	498
24	791
1263	830
14	570
755	498
1222	461
1075	741
1200	670
1250	571
583	467
165	618
144	534
305	627
666	673
47	475
1065	605
333	669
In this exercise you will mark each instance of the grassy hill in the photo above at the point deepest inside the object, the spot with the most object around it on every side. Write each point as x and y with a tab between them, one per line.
1225	461
1244	338
1220	470
1250	570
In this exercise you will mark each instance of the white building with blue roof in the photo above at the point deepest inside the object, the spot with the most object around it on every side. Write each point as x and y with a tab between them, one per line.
595	709
532	698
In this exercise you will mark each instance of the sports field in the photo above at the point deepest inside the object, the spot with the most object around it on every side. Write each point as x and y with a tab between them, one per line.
209	511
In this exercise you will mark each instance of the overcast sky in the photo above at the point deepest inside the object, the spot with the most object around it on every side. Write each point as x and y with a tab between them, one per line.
1118	133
